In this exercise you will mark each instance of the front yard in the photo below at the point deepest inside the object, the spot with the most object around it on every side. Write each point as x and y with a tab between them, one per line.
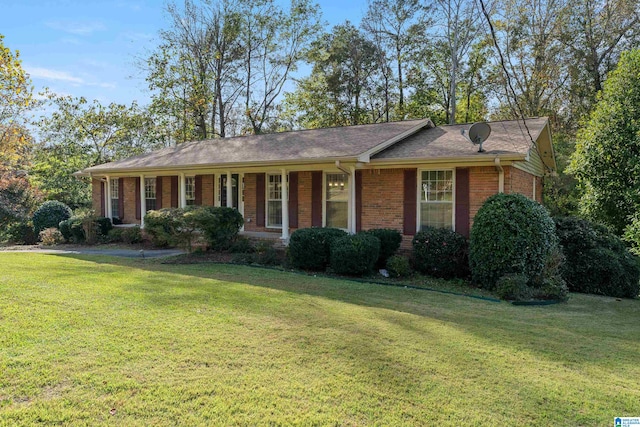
88	340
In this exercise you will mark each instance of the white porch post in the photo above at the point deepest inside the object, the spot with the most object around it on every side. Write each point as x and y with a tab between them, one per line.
107	203
352	200
285	206
229	190
217	191
143	201
183	191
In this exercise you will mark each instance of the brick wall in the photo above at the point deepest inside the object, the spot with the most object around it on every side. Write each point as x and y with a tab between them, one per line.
130	201
207	190
304	199
483	183
382	198
96	199
166	192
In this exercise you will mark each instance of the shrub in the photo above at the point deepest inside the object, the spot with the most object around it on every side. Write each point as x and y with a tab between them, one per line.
441	252
389	243
242	245
219	225
354	255
513	287
49	214
51	236
597	261
115	235
511	235
65	228
130	235
266	254
162	226
21	233
103	225
309	248
398	266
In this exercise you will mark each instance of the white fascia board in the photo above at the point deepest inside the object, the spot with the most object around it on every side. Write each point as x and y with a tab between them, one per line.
366	156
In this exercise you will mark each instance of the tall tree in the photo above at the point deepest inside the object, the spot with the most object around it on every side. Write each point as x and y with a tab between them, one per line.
461	25
192	73
343	88
529	39
16	97
607	156
273	43
402	25
594	36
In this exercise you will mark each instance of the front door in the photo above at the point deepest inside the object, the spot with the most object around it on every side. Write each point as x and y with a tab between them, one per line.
234	190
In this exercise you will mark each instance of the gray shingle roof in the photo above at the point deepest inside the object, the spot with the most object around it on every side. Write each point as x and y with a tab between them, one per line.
344	143
507	137
305	145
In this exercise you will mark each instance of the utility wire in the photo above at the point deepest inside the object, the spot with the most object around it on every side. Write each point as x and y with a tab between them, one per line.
510	85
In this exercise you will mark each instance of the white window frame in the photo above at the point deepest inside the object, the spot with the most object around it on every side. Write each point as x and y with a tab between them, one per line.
146	192
115	187
419	195
267	200
190	195
324	196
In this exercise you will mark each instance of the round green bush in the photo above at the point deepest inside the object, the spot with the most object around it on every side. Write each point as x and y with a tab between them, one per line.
398	266
163	225
354	255
49	214
219	225
441	252
511	234
103	225
597	261
309	248
130	235
390	241
513	287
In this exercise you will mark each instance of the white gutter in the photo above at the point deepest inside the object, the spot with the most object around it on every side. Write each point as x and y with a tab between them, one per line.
500	170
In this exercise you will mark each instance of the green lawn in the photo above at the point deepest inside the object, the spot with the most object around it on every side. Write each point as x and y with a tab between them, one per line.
94	340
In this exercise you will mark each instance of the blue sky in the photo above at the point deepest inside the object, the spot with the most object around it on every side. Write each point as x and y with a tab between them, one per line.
89	48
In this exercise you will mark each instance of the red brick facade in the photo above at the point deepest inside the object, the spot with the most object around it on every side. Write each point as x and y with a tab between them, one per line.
382	195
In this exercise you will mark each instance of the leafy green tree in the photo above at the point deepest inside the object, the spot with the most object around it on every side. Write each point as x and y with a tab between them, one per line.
16	93
607	157
79	134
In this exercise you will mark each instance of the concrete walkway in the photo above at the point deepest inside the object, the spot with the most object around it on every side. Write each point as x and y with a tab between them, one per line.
126	253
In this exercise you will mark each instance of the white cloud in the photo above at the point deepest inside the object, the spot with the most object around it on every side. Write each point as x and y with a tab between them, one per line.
56	75
78	28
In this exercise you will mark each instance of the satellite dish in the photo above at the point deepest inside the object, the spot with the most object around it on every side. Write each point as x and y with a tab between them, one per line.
478	133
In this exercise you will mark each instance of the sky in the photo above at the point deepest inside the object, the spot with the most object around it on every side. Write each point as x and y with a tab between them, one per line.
90	48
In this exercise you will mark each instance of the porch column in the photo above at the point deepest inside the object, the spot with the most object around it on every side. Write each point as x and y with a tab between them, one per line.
183	191
107	203
229	190
352	200
285	205
143	201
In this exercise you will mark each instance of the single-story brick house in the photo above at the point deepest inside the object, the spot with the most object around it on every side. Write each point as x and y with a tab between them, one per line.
401	175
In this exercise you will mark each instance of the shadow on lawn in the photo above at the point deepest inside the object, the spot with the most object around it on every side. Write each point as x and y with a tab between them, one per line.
586	330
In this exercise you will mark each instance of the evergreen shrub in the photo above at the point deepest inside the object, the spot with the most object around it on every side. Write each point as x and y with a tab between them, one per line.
309	248
441	252
49	214
354	255
390	241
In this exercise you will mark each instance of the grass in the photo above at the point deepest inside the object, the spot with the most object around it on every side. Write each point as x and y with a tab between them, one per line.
88	340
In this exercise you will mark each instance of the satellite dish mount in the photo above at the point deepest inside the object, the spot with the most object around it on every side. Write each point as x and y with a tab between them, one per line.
478	133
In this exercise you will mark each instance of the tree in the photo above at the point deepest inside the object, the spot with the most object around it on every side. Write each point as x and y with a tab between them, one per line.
343	87
594	36
80	134
16	93
273	42
401	26
607	157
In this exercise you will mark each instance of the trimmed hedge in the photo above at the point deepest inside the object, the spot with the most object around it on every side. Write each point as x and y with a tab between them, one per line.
309	248
49	214
219	225
390	241
354	255
597	261
398	266
441	252
511	234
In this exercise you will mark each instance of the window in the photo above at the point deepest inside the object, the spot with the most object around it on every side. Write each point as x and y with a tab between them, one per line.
274	201
115	198
190	190
150	193
436	199
337	200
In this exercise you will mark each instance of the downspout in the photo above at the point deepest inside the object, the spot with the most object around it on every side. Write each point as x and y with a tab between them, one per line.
500	170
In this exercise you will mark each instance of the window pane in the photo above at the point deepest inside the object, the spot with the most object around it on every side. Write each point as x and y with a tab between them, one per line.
115	208
274	201
436	200
337	214
274	213
114	188
190	190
